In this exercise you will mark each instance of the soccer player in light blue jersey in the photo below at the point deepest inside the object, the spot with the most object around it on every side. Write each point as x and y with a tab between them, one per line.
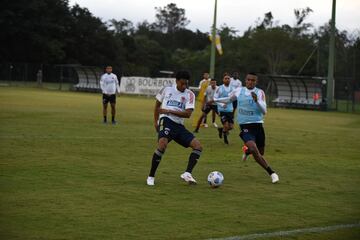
225	109
250	117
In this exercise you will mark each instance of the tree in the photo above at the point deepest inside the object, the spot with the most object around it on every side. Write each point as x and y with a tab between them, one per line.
300	15
170	18
122	27
33	31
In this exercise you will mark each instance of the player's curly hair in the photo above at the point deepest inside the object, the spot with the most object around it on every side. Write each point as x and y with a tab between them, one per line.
182	75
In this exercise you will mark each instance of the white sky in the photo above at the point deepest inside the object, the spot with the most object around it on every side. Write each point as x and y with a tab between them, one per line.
239	14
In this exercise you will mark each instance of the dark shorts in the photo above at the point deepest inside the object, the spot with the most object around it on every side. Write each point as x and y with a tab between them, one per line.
174	131
109	98
234	103
208	108
253	132
227	117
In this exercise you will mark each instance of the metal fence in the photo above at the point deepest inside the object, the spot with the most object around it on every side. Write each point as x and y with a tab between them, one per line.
308	92
61	77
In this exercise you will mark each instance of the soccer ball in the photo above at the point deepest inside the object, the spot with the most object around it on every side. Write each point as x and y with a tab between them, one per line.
215	179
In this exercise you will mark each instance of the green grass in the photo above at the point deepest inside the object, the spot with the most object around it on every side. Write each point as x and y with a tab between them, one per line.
65	175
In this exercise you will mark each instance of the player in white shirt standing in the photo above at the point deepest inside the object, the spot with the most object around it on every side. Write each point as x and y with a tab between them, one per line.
173	104
109	84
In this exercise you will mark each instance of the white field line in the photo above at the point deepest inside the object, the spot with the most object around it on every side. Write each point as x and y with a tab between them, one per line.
290	232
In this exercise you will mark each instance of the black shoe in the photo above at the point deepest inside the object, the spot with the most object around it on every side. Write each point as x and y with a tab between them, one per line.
226	139
220	132
196	131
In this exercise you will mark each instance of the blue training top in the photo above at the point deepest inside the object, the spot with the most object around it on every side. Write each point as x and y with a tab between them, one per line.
248	111
221	92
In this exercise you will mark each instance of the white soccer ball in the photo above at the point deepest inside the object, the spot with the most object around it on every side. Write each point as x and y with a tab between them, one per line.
215	179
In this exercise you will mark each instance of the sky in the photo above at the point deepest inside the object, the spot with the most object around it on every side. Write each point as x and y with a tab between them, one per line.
238	14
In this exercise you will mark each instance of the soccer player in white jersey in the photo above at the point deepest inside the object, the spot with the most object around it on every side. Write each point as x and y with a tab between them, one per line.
250	117
225	109
173	104
208	104
109	84
235	83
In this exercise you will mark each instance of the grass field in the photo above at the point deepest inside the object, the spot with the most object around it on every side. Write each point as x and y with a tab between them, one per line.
65	175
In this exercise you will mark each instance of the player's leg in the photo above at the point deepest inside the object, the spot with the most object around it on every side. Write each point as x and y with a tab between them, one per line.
164	137
228	126
262	150
214	112
223	120
195	154
260	143
113	108
105	112
205	120
260	140
252	148
203	115
105	101
187	139
258	137
160	150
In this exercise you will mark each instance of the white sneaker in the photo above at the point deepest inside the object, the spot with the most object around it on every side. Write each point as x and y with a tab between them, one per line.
150	181
215	125
274	178
187	177
205	125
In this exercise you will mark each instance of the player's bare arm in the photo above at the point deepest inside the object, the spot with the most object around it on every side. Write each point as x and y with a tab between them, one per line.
185	114
261	105
156	115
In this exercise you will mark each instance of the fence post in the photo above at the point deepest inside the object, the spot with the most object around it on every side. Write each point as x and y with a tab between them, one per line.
39	76
61	77
10	71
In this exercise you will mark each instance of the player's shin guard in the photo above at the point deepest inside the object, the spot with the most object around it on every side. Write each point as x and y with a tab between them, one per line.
155	162
194	156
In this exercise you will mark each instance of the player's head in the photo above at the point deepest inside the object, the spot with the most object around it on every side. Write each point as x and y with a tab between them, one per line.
235	75
251	80
182	79
108	69
226	79
206	75
213	83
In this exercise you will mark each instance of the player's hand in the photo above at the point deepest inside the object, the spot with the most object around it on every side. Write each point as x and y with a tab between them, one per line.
254	96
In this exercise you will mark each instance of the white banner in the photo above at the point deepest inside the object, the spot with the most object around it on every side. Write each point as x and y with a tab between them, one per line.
144	85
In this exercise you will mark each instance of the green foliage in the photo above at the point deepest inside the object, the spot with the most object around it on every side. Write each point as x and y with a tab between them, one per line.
170	18
51	31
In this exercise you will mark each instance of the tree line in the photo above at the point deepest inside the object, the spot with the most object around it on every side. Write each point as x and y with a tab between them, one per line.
52	32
